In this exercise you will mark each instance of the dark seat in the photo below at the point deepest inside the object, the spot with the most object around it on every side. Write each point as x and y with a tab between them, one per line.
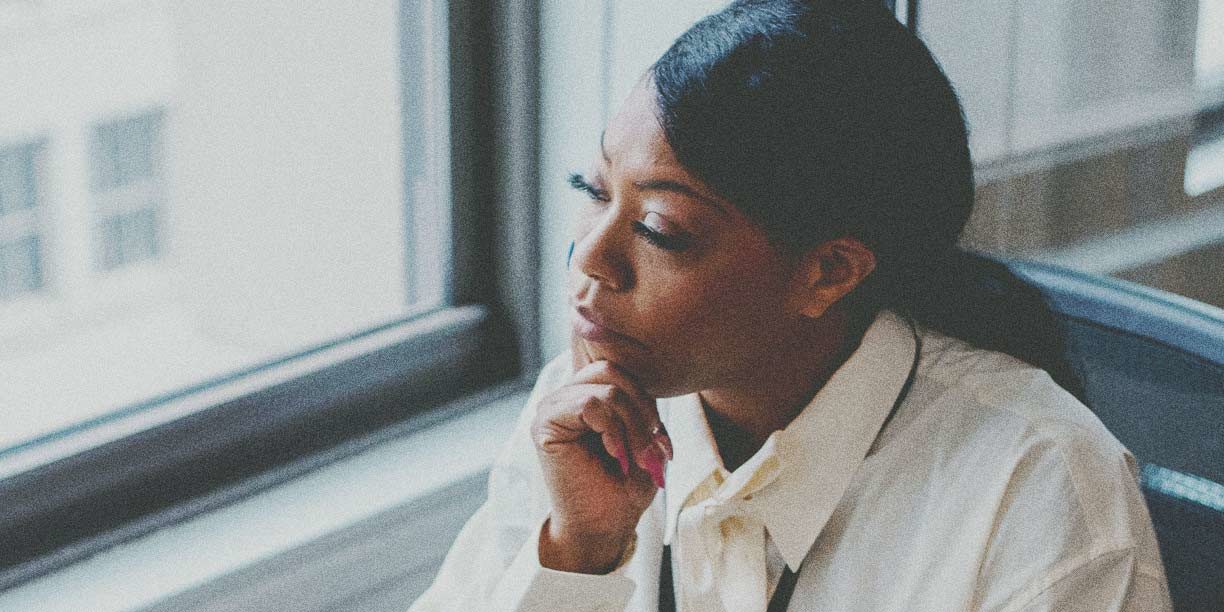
1151	365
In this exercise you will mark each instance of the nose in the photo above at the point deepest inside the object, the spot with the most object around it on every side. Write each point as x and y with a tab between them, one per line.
599	252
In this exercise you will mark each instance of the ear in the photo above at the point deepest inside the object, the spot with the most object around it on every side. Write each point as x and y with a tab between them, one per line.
827	273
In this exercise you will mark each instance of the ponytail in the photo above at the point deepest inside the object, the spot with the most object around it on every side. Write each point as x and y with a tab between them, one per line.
981	301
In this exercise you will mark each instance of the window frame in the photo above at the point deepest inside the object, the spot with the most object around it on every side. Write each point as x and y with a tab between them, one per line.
275	422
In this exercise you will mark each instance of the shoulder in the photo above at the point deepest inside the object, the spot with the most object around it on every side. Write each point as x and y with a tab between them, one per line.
991	411
1022	455
993	393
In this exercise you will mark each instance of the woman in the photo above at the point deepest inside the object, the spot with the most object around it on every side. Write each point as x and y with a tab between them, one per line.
756	412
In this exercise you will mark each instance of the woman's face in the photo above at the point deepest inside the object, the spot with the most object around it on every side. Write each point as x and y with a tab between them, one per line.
661	259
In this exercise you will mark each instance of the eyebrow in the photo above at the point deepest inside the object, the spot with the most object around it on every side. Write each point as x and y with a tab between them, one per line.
667	185
679	188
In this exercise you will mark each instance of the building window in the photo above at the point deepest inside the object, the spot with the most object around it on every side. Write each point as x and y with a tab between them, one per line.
126	159
21	259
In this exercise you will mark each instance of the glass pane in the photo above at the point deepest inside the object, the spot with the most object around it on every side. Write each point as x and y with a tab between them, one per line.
18	186
20	267
1209	52
29	166
126	151
139	231
109	241
102	156
11	181
229	190
1110	123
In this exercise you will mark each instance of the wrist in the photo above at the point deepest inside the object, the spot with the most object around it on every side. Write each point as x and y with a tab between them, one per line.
582	553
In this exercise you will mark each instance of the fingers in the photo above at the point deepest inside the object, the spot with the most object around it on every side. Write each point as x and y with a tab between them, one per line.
647	439
579	410
623	421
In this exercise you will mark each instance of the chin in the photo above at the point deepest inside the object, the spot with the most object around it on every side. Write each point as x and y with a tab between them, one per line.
663	381
659	376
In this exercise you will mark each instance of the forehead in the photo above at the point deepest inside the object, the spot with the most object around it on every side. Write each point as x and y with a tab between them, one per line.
634	139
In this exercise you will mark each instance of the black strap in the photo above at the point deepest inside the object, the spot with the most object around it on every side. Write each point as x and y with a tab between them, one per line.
667	589
786	584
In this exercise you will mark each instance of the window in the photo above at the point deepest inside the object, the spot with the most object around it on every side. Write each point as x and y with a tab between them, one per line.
1091	126
1205	165
1209	51
21	260
279	231
126	160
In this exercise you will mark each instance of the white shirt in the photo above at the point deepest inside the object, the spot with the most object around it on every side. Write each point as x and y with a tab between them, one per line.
991	489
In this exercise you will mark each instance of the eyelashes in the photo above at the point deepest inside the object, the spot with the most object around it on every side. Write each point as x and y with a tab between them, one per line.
666	242
663	241
578	182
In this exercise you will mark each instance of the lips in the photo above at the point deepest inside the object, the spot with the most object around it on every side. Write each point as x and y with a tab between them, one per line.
593	327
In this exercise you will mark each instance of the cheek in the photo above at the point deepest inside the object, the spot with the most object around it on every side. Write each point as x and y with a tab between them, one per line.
735	314
708	329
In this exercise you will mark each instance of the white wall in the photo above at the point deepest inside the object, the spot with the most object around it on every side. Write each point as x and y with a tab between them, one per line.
971	40
287	169
1036	74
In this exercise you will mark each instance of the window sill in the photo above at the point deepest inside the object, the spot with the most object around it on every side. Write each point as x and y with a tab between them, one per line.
192	554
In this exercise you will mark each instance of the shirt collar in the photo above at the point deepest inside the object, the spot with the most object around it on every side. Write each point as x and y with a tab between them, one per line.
817	454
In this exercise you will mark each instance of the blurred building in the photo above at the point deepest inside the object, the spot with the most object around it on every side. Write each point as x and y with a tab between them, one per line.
188	189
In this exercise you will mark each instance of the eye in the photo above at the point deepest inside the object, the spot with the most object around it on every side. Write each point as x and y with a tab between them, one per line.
577	181
667	242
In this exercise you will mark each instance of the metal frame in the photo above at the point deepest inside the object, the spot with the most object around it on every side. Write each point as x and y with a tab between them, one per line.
1165	318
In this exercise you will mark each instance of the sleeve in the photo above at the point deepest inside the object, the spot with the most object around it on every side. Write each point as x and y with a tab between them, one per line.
1112	581
493	566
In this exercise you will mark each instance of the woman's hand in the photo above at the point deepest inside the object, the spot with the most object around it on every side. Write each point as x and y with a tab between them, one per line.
602	465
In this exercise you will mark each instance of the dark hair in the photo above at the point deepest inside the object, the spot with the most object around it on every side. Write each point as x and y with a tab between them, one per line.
821	119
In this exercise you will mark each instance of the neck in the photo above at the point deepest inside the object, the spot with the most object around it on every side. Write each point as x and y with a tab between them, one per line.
742	416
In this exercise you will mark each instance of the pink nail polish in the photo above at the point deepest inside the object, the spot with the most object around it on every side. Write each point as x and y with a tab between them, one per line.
653	465
623	457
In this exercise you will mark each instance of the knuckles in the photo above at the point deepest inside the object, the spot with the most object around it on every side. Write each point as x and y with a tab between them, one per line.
590	402
612	395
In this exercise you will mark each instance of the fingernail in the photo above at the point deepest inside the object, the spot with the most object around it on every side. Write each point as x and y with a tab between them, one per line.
652	463
623	457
